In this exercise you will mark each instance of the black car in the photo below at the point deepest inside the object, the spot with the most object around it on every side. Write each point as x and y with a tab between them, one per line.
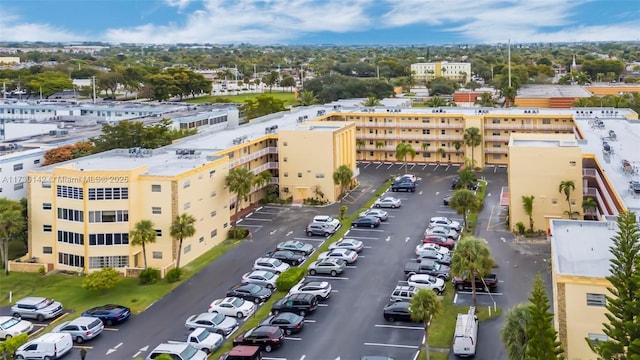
267	337
287	257
447	200
289	322
301	304
250	292
110	314
397	310
366	221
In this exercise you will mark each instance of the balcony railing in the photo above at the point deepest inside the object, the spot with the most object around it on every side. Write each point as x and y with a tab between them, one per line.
590	191
419	137
254	155
493	150
500	138
590	173
409	125
528	126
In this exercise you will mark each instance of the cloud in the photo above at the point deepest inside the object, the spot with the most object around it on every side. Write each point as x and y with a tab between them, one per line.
180	4
13	28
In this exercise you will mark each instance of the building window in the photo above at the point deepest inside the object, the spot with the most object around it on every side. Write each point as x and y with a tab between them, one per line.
212	173
36	162
156	210
496	133
158	232
157	255
284	143
201	239
497	156
285	159
70	237
213	214
572	163
554	201
71	260
106	216
496	145
187	248
18	186
187	205
70	214
319	176
443	132
121	193
546	121
98	262
69	192
214	233
17	167
46	185
109	239
495	121
46	206
225	225
299	174
596	339
47	228
156	188
186	184
286	174
213	194
47	250
596	300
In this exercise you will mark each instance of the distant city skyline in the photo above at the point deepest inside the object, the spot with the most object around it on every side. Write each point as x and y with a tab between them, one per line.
298	22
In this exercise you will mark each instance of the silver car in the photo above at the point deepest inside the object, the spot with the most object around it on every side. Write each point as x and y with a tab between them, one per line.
214	322
388	202
38	308
81	329
442	231
380	214
332	267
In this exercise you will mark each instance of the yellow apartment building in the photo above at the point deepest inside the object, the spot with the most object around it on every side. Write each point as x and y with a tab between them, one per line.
458	71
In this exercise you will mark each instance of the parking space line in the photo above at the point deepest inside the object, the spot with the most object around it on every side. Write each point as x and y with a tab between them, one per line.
364	229
400	327
351	266
255	226
393	345
272	358
479	293
362	237
322	305
111	329
334	291
292	338
309	321
366	247
328	277
268	213
310	239
258	219
82	347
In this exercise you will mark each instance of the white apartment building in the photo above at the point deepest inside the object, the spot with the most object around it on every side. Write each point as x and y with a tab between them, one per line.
458	71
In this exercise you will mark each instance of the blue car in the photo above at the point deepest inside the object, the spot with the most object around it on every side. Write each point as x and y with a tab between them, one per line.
110	314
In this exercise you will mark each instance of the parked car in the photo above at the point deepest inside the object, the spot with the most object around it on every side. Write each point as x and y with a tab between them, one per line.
110	314
491	282
205	340
423	281
435	255
634	186
250	292
301	304
81	329
367	221
403	185
270	264
214	322
290	323
332	267
442	231
351	244
287	257
432	247
428	267
319	229
243	352
296	246
47	346
267	337
11	326
445	222
439	240
380	214
403	293
388	202
232	306
409	177
321	289
261	277
447	200
177	350
347	255
328	220
397	310
38	308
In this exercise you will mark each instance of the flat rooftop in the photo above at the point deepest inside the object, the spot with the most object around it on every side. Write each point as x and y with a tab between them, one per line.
544	142
553	91
581	248
624	141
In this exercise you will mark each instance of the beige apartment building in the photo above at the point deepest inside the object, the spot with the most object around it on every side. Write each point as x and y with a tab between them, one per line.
458	71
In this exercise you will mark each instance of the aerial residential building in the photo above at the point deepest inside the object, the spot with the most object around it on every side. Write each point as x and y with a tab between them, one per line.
458	71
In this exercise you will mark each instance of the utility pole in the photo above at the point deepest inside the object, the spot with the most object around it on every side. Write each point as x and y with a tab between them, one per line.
509	52
94	88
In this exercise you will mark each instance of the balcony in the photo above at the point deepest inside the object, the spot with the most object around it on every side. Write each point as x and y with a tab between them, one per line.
252	156
417	137
497	138
493	150
540	127
591	173
409	125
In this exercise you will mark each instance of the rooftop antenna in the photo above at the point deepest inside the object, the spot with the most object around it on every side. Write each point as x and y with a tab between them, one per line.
509	56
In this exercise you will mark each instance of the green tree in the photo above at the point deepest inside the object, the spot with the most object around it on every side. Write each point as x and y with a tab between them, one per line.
436	101
371	101
163	86
12	224
509	94
131	134
102	280
46	83
402	150
486	100
262	105
472	259
270	79
423	306
463	201
466	179
143	234
10	345
360	143
262	179
589	205
566	187
239	181
343	177
623	305
182	226
472	137
514	331
109	81
457	145
527	204
543	338
288	82
307	98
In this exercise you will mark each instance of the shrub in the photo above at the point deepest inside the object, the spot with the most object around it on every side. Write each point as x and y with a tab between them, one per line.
173	275
237	232
102	280
149	276
41	270
520	226
11	344
289	278
343	211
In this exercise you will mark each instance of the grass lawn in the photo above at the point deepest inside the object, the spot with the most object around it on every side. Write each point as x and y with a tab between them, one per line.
288	97
68	288
433	355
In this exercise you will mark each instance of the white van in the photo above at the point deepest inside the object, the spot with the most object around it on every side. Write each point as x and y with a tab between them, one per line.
466	336
49	346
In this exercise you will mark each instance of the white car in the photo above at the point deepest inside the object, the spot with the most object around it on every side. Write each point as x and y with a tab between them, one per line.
326	219
411	177
12	326
347	255
270	264
351	244
388	202
445	222
442	231
261	277
423	248
232	306
321	289
421	281
380	214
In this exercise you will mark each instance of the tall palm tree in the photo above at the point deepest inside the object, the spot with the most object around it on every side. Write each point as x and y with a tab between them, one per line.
239	181
457	145
142	234
11	224
379	144
423	306
402	150
472	259
442	152
342	176
589	205
463	201
425	146
509	94
472	137
527	204
307	98
514	332
466	179
262	179
182	227
566	187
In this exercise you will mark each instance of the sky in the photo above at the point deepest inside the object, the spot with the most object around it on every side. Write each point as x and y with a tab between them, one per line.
300	22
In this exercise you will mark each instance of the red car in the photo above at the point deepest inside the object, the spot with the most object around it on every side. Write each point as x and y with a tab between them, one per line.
440	240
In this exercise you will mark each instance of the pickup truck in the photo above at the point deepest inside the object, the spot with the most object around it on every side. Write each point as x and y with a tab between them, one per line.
427	267
403	185
490	280
204	340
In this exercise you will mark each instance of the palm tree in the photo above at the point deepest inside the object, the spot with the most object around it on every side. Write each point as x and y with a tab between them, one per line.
182	227
342	176
143	234
239	181
463	201
466	179
442	152
262	179
472	259
402	150
307	98
436	101
509	94
11	224
473	138
379	144
514	332
457	145
423	306
360	143
566	187
527	203
486	100
425	146
589	205
371	101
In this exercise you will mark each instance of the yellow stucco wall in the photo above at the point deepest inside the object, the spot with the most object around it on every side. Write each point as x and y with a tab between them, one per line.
612	89
532	102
